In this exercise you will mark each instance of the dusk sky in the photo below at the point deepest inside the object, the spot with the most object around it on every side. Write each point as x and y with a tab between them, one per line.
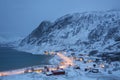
20	17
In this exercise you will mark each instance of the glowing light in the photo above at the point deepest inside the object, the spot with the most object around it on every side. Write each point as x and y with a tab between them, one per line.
81	59
62	67
102	65
52	69
38	71
89	61
11	72
67	61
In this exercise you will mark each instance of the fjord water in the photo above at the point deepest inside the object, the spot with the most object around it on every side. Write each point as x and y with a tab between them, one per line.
12	59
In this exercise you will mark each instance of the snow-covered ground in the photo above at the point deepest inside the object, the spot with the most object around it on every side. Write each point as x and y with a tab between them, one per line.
7	41
71	73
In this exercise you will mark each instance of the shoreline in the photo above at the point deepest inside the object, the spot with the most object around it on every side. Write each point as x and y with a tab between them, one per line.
11	59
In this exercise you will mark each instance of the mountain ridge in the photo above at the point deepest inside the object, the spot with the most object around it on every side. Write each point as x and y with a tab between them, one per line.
81	32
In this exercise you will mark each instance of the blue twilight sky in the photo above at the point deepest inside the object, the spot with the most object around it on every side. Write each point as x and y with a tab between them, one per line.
20	17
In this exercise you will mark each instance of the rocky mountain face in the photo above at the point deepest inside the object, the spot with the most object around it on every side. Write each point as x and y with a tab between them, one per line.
82	32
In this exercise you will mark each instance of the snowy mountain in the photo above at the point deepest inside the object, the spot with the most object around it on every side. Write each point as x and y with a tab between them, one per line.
80	32
7	41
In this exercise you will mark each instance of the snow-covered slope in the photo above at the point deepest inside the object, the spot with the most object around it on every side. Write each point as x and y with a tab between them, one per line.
82	32
7	41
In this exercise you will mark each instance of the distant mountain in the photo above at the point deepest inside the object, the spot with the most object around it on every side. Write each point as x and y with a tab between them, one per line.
7	41
81	32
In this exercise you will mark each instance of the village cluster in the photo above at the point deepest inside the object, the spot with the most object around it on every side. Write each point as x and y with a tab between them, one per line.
84	63
81	62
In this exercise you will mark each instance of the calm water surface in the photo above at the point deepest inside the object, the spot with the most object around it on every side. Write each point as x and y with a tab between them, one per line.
12	59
